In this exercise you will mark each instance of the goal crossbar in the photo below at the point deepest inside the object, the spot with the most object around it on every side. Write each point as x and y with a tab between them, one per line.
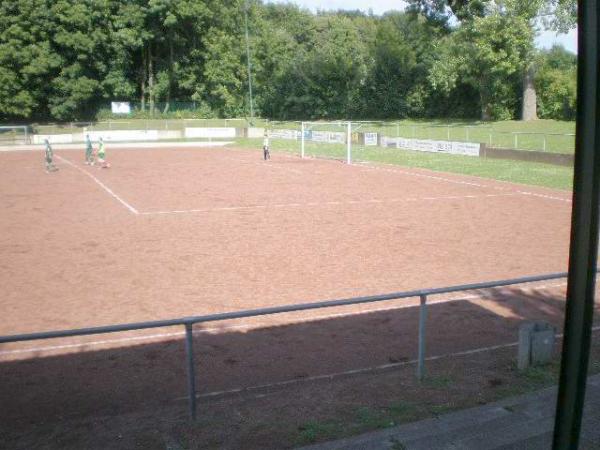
308	126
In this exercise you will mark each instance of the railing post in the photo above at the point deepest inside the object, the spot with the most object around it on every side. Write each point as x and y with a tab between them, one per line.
302	140
544	142
349	143
422	320
190	369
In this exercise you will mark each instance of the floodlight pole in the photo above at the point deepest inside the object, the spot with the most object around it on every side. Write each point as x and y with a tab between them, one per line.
248	61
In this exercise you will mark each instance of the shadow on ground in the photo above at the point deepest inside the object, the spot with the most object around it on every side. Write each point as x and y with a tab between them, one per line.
148	379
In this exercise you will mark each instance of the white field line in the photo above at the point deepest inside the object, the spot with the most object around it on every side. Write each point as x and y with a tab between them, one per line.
160	336
330	203
266	164
331	376
422	175
393	169
102	185
510	185
132	145
549	197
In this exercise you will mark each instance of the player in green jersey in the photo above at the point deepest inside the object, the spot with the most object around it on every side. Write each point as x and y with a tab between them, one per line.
89	157
101	156
50	167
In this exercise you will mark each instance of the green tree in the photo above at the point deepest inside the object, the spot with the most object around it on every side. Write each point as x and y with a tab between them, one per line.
27	58
486	53
324	81
556	81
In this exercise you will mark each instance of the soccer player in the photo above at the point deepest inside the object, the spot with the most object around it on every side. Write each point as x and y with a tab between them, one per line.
89	157
101	156
50	167
266	153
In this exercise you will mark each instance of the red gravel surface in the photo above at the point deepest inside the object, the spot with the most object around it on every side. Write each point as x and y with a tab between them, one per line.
238	233
170	233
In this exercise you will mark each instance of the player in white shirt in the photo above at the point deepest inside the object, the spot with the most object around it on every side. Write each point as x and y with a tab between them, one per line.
266	154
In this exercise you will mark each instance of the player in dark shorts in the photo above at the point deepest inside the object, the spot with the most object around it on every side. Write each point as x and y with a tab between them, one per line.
89	156
50	167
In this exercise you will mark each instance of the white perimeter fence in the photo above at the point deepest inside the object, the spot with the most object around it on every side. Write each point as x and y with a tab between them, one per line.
456	138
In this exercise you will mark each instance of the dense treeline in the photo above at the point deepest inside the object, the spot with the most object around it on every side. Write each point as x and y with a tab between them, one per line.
66	59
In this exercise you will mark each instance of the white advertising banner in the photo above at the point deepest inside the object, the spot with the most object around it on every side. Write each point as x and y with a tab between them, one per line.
123	135
53	138
370	139
120	107
426	145
331	137
210	132
256	132
284	134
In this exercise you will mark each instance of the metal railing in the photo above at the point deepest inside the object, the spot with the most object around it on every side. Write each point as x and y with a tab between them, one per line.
188	322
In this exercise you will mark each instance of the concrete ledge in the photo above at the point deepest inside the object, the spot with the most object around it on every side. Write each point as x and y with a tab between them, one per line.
557	159
516	423
133	145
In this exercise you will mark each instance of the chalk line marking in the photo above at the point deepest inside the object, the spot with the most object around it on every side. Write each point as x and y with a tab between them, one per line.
331	376
265	164
422	175
550	197
159	336
102	185
329	203
434	177
395	169
391	169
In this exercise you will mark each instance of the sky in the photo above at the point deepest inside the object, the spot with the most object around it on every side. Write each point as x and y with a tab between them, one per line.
544	40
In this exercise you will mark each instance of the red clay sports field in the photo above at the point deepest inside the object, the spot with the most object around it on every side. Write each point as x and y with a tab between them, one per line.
173	232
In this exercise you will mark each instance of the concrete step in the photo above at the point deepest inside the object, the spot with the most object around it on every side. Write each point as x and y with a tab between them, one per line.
508	430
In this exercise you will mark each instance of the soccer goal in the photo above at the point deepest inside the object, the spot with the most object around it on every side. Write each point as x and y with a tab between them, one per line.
14	134
326	140
346	141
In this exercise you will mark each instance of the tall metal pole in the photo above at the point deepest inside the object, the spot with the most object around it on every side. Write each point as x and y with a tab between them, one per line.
249	64
583	254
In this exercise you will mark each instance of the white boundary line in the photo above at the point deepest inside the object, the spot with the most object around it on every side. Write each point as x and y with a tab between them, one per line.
422	175
510	184
246	326
102	185
331	376
550	197
267	164
330	203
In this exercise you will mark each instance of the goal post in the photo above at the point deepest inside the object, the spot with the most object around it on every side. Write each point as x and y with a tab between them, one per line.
14	134
326	139
344	140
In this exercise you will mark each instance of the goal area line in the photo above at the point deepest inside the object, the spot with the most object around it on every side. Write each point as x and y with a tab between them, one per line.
372	201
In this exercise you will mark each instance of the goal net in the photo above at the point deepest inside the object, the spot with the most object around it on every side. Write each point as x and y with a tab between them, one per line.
326	140
341	140
14	134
